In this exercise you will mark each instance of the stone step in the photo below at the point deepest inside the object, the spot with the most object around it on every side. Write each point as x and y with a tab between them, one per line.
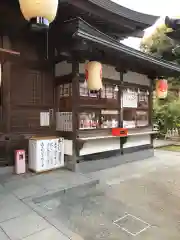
79	190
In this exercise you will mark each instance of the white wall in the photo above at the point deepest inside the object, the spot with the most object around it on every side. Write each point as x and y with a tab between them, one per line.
135	141
68	147
63	68
103	145
111	73
107	70
132	77
100	145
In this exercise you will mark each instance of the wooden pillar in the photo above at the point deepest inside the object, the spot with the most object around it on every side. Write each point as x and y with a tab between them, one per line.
121	108
121	99
151	105
72	161
6	86
6	101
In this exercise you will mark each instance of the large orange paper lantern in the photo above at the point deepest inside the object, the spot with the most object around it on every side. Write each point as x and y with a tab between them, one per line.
94	75
46	9
161	88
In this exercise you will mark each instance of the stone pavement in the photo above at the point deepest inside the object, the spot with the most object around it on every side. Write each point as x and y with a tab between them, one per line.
19	218
162	143
138	199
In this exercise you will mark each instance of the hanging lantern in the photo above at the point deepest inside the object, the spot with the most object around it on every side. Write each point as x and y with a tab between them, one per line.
41	12
94	76
161	88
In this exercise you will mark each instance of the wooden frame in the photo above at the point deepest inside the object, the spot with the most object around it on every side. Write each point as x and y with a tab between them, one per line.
96	105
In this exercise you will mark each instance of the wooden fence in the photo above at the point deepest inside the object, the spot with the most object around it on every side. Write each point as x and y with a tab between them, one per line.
172	134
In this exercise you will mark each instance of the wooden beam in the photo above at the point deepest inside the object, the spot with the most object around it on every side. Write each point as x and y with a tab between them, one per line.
121	117
151	107
7	54
6	81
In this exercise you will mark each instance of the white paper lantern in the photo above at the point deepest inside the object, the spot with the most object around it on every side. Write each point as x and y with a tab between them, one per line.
39	8
94	76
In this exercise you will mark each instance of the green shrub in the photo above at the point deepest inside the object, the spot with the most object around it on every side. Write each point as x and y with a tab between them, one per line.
166	113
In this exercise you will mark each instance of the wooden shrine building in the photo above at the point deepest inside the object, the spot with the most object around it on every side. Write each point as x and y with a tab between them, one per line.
45	73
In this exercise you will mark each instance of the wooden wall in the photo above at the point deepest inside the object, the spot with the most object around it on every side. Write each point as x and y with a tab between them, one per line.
31	93
26	92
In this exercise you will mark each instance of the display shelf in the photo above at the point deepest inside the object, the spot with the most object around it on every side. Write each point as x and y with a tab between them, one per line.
98	119
108	91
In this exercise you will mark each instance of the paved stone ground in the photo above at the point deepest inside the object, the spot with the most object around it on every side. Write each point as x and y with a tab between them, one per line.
19	216
162	143
144	196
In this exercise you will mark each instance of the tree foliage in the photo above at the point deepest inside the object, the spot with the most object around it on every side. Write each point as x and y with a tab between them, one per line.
158	43
166	112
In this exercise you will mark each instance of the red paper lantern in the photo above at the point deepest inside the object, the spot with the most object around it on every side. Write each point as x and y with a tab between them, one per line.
161	88
93	75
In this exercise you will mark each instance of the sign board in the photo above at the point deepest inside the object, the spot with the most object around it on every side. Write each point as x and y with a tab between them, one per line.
44	119
130	99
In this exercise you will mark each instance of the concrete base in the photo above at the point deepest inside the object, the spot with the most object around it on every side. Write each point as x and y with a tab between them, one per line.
96	165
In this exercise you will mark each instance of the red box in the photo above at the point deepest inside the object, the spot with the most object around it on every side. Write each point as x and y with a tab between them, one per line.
120	132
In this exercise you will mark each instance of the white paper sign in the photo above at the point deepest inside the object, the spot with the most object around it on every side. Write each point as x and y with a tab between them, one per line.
129	124
46	154
44	119
64	121
130	99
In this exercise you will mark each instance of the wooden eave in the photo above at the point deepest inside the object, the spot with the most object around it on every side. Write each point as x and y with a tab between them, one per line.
124	12
107	16
135	60
113	8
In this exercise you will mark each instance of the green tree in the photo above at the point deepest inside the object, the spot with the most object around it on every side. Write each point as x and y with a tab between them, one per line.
166	112
159	44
